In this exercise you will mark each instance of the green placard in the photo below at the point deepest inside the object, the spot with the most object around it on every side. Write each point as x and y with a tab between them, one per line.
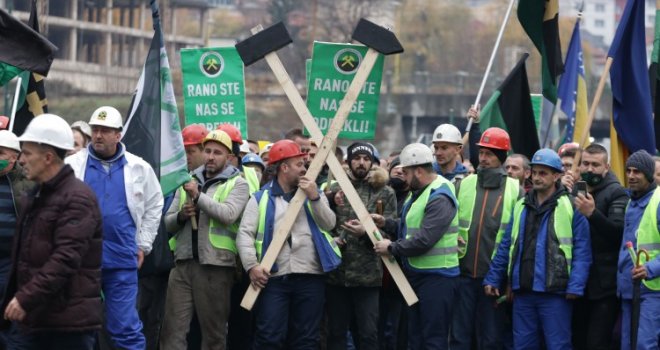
214	87
333	68
537	106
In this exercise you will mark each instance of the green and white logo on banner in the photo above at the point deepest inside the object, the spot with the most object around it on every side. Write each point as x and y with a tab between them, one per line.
332	71
214	87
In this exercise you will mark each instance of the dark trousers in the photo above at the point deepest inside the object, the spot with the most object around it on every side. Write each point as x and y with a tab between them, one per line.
58	341
346	303
593	323
392	323
288	312
151	306
240	332
474	311
429	319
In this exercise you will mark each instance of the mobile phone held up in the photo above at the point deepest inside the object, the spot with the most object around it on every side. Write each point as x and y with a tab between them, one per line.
581	188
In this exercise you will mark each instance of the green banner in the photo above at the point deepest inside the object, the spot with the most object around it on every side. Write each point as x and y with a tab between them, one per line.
333	68
214	87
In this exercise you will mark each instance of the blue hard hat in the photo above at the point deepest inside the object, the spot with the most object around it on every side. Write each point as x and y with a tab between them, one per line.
252	158
376	153
547	157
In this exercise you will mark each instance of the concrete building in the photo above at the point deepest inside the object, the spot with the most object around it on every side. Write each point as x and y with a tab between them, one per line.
103	43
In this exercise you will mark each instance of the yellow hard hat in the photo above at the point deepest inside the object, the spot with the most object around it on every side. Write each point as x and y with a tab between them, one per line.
220	137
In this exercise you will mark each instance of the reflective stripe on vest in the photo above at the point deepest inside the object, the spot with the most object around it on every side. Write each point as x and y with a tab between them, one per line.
563	229
444	253
467	197
251	178
221	236
261	227
648	237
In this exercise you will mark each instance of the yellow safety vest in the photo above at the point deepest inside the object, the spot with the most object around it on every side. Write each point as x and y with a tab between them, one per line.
221	236
251	178
466	198
648	237
563	229
444	253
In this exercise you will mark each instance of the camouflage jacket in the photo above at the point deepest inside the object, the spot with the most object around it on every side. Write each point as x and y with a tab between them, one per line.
360	266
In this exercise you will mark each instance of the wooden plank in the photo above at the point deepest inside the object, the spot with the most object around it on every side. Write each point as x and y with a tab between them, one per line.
335	167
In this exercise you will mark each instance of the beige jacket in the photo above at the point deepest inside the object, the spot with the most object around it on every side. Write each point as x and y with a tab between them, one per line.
297	257
226	212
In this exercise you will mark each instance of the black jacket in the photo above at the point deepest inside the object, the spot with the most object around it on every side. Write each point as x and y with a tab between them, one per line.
606	227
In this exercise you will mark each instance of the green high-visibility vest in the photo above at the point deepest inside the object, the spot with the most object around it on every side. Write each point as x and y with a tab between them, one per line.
466	198
563	229
251	178
444	253
221	236
261	228
648	237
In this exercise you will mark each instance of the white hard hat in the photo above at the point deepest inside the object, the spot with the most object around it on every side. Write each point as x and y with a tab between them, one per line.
9	140
49	129
106	116
447	133
416	154
83	127
245	147
266	149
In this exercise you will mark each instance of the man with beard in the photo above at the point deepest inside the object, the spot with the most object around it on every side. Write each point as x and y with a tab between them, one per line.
545	253
205	255
353	289
427	246
604	206
289	310
642	230
486	203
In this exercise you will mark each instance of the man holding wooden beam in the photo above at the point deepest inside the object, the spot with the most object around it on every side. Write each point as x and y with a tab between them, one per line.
288	312
428	246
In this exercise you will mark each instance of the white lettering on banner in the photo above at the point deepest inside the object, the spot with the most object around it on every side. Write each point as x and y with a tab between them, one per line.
206	109
338	85
229	89
361	126
227	108
195	90
214	125
331	104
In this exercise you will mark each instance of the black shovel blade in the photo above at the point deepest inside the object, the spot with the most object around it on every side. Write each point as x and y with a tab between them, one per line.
266	41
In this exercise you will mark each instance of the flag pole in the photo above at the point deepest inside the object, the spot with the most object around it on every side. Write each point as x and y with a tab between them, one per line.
19	82
592	111
490	64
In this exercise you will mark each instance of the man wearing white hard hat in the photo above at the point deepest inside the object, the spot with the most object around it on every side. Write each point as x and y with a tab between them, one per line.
448	145
12	185
54	288
130	219
427	246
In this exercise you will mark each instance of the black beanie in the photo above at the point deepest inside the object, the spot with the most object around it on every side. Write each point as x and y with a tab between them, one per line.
359	148
643	161
395	162
500	154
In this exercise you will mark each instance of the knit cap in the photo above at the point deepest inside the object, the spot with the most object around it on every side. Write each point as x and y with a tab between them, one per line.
643	161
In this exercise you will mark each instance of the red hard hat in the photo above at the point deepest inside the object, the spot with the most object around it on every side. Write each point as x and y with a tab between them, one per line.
284	149
194	134
232	131
4	122
569	146
495	138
